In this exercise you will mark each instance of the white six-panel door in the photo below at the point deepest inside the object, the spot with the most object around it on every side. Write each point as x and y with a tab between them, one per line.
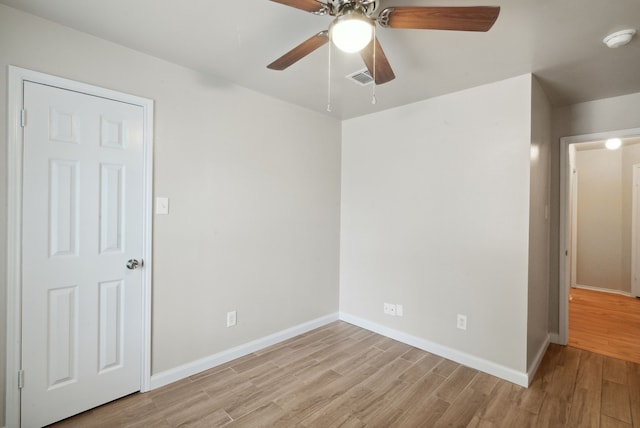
82	220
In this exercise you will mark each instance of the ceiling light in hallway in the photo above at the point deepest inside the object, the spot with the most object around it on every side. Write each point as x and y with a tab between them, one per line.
613	143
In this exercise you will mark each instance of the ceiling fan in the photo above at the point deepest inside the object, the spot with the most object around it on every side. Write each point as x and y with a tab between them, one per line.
353	29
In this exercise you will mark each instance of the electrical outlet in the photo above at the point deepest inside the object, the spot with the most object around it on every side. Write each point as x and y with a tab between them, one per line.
462	322
389	309
392	310
399	310
231	318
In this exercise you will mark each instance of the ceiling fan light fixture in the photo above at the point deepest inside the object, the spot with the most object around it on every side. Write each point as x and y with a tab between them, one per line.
351	32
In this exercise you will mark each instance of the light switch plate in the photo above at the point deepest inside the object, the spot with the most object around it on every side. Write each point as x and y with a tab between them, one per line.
162	205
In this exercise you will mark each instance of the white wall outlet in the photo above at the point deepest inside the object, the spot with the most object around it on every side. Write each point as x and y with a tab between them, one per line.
399	310
231	318
462	322
389	309
392	310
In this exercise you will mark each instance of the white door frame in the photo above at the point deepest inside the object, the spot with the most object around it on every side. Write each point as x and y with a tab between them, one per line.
14	222
573	215
565	242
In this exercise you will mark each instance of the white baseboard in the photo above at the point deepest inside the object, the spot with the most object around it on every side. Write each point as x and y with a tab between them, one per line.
535	364
468	360
555	338
169	376
166	377
604	290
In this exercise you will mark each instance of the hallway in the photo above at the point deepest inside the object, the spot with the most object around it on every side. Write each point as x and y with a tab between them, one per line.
605	323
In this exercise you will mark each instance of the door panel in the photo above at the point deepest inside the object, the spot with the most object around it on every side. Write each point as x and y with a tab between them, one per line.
63	200
82	221
62	338
110	329
111	206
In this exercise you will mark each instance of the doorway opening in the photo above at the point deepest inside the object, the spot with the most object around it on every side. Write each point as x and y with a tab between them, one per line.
599	230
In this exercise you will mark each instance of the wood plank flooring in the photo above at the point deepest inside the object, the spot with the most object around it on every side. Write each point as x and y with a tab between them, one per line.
343	376
605	323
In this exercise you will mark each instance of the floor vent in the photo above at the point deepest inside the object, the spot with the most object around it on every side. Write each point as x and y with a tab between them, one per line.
361	77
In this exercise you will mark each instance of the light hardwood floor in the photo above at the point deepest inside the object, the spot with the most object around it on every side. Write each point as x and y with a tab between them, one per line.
605	323
343	376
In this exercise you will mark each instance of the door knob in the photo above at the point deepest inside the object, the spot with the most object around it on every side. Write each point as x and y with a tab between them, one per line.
134	264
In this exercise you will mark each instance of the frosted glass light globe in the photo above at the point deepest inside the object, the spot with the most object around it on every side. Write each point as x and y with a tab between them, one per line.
351	33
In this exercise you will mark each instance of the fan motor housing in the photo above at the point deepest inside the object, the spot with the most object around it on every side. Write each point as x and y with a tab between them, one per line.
338	7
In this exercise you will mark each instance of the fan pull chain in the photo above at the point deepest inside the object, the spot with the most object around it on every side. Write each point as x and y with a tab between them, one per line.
329	77
373	96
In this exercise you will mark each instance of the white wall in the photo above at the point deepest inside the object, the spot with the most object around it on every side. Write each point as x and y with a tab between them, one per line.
605	191
600	228
435	216
590	117
254	185
538	293
630	157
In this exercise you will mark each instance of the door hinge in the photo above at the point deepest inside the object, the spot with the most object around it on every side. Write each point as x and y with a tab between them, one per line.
23	118
20	379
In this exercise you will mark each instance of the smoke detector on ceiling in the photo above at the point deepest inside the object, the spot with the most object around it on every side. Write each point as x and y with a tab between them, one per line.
619	38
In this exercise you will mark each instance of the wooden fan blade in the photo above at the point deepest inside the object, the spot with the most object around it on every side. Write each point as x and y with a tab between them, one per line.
300	51
383	72
475	18
306	5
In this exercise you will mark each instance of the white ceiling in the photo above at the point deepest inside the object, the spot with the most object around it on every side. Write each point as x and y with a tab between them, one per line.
558	40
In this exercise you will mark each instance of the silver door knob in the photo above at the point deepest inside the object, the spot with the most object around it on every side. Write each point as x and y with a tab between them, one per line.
134	264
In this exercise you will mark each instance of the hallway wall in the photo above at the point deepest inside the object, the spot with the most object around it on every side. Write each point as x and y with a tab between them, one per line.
603	115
